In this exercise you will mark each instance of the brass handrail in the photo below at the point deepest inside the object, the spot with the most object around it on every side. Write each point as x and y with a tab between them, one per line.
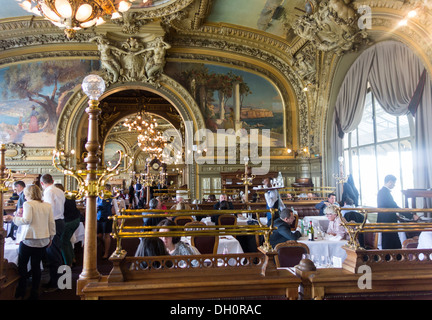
354	229
120	231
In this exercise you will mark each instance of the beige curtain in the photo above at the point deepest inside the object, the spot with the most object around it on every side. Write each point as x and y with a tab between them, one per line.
394	73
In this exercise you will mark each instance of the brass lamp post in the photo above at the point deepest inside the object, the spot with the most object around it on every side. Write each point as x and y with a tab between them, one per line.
341	178
247	179
92	180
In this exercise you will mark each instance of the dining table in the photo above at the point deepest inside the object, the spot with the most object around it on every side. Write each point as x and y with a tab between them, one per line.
241	220
227	244
11	247
329	247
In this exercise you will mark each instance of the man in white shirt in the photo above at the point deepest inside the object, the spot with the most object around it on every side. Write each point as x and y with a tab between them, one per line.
56	198
273	200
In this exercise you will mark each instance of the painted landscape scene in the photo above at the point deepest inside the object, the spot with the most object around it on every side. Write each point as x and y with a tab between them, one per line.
232	99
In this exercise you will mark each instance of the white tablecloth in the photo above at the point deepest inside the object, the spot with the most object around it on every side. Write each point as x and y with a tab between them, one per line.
12	246
78	234
229	242
240	221
326	248
11	250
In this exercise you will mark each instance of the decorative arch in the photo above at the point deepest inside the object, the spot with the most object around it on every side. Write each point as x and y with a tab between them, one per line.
73	114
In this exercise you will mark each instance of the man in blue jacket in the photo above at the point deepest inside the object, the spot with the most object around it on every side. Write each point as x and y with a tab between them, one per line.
331	201
283	232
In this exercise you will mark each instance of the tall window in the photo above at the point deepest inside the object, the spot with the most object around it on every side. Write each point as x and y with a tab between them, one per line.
381	145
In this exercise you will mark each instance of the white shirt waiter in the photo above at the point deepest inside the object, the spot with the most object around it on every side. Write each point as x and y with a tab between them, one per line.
56	198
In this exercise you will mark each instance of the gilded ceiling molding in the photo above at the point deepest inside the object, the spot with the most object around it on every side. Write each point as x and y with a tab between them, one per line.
161	11
331	25
133	60
47	56
24	26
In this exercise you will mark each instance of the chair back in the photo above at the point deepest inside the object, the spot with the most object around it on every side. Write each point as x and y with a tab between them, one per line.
410	244
370	240
227	220
182	220
194	225
204	244
290	253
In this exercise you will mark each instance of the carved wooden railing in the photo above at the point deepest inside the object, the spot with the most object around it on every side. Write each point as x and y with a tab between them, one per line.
384	259
192	276
121	230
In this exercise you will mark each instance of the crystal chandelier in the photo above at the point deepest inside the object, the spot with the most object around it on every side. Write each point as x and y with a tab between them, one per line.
73	15
142	121
153	143
150	139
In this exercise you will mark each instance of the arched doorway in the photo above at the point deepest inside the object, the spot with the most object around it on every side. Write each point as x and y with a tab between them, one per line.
170	101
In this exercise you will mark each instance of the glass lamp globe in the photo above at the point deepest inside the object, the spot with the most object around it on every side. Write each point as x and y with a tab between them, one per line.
93	86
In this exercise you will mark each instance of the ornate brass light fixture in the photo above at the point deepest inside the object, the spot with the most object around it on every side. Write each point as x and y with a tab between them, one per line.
73	15
150	139
152	143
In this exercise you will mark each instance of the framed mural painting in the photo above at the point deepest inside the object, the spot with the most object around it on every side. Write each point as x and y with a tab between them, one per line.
32	98
234	99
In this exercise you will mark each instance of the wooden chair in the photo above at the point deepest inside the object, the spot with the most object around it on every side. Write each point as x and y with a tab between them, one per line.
204	244
182	220
370	240
227	220
290	253
194	225
411	243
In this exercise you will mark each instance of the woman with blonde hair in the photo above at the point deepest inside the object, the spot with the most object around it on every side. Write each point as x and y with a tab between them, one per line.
40	230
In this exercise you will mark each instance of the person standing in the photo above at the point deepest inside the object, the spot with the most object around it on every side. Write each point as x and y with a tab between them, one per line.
273	201
389	240
18	187
105	208
350	191
38	215
72	220
56	198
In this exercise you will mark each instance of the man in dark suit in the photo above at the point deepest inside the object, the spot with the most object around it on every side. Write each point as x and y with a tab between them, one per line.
18	187
389	240
283	232
222	204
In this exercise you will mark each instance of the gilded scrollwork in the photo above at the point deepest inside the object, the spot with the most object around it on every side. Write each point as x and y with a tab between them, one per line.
132	60
331	26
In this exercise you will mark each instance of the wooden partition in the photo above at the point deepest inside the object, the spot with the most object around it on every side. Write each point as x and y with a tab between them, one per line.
192	277
373	274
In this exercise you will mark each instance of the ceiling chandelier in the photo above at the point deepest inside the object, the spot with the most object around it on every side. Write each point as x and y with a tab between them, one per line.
142	121
150	139
153	144
73	15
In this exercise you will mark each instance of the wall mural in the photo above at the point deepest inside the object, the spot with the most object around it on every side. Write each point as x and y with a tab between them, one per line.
226	96
32	97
